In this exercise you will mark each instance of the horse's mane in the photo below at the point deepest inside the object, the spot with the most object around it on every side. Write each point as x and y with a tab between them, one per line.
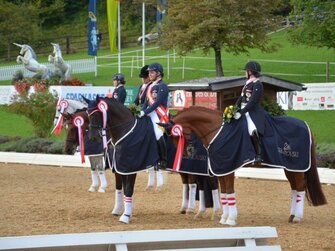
199	109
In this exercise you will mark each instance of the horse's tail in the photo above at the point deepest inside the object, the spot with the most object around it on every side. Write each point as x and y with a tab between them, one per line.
314	191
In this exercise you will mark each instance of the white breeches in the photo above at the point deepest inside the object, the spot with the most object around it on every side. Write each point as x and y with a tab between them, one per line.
251	124
155	119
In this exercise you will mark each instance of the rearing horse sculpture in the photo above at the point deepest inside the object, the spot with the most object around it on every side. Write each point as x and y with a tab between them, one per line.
28	58
61	67
208	125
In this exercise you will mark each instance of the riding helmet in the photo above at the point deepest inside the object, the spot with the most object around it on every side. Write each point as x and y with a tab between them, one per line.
144	72
156	67
253	66
118	77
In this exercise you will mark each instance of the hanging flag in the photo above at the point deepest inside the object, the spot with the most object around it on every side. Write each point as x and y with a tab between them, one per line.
92	28
161	11
112	6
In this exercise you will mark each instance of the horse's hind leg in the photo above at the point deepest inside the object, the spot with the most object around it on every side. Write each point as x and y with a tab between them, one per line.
101	172
202	202
298	195
192	188
213	182
118	204
184	202
128	187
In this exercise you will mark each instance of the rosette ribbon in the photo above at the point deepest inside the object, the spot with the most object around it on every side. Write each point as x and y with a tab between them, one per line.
103	107
63	104
78	121
177	131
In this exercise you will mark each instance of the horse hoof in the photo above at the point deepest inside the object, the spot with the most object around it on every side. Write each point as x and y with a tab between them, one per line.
290	219
223	220
117	211
102	189
92	189
182	210
230	222
124	218
159	188
199	214
148	188
296	219
190	211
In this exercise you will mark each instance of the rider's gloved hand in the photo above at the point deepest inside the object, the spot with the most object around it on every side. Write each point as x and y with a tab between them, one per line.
141	114
237	115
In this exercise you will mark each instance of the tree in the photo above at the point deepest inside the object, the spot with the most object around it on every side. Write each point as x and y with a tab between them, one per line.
229	25
316	23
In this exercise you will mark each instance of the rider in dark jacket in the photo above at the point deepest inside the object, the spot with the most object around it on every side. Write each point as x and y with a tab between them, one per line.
119	92
142	90
156	107
250	104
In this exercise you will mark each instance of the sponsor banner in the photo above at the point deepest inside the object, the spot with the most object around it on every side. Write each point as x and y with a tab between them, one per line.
182	99
92	37
72	92
316	97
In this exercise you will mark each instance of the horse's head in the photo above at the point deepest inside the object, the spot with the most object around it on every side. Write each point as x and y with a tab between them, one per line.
95	118
26	51
57	50
71	126
69	106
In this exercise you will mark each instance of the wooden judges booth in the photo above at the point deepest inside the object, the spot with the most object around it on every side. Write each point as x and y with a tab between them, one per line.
228	89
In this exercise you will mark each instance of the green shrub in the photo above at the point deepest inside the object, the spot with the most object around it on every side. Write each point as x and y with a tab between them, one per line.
272	107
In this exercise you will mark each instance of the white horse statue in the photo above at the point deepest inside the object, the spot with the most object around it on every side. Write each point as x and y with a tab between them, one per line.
28	58
60	66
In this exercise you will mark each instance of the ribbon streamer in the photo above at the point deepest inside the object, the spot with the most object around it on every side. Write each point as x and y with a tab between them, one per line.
78	121
63	104
103	107
177	131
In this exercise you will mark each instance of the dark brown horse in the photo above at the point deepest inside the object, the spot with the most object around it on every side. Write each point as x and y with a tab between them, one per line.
206	123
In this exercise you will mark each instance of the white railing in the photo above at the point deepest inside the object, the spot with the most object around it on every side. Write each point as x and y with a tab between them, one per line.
78	66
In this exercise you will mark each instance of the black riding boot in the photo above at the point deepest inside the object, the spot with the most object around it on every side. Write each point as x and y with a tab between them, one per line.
162	151
257	145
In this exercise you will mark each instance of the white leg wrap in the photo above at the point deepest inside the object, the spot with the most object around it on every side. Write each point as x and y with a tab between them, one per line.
299	208
225	210
232	210
216	200
293	203
128	205
191	196
103	181
202	205
118	204
184	202
160	178
151	177
95	181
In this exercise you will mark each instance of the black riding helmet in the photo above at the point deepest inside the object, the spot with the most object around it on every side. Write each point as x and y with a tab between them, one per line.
253	66
118	77
144	72
156	67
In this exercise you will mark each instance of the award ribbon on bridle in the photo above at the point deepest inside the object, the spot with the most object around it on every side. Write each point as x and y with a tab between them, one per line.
160	110
177	131
63	104
78	121
102	107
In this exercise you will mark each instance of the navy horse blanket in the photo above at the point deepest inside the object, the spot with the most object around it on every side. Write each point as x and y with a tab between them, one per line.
137	151
288	145
194	159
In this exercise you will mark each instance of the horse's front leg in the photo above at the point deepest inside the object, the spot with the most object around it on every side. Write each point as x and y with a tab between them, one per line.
19	59
297	184
128	182
228	200
118	203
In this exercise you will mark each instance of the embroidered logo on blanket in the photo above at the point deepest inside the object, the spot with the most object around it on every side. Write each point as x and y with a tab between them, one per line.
287	151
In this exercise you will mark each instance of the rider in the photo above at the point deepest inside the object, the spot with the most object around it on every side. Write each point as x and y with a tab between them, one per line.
156	107
249	102
141	94
119	92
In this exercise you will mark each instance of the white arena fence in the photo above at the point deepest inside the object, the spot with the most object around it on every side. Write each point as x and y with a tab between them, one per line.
78	66
198	239
327	175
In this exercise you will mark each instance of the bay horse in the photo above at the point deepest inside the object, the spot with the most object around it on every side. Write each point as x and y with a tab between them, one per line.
66	111
207	124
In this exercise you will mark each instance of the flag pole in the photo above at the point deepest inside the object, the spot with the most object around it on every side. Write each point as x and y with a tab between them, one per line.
119	36
143	34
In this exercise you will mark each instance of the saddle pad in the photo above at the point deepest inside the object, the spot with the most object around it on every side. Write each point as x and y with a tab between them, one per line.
288	147
136	152
194	160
